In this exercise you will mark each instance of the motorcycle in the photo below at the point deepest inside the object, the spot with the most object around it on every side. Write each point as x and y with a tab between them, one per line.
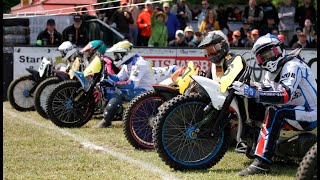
71	104
193	131
44	88
21	91
307	169
138	117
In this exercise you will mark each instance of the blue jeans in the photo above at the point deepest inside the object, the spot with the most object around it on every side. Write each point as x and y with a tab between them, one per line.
133	34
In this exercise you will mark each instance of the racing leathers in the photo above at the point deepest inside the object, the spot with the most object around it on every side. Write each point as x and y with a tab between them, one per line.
136	76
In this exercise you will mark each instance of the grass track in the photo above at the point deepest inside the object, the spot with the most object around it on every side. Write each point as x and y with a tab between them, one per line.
33	152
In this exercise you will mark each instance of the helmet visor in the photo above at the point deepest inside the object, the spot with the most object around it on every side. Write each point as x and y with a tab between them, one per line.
63	53
212	49
267	55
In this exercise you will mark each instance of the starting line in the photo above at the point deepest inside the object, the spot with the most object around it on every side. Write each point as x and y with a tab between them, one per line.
90	145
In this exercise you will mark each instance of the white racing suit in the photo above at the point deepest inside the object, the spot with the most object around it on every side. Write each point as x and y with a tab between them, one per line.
162	73
292	94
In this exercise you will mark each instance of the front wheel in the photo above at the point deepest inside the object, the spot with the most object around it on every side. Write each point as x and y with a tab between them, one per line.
42	92
176	138
138	119
64	110
19	94
308	166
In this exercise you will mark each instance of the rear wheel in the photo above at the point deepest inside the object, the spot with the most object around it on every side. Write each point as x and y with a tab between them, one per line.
176	138
19	94
138	119
64	110
308	166
41	94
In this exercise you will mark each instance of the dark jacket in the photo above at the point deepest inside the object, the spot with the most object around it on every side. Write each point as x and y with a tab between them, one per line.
45	37
256	14
121	21
174	43
69	34
303	13
269	10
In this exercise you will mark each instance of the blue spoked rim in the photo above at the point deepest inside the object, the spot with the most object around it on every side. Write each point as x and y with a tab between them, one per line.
177	138
140	118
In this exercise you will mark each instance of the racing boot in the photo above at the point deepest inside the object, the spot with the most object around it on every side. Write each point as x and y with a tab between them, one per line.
258	166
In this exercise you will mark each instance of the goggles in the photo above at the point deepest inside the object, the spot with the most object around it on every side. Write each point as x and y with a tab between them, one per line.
269	54
212	49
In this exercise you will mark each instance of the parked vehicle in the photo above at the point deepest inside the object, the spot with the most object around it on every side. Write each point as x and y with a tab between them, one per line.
192	131
307	169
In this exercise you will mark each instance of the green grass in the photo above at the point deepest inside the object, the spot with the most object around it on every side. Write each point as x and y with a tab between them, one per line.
33	152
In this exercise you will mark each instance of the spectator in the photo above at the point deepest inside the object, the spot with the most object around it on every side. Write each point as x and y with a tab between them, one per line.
275	31
286	15
159	32
188	33
314	43
133	28
247	38
205	7
229	11
179	41
237	14
254	36
253	14
195	12
222	16
302	41
197	38
207	29
77	34
308	30
210	20
282	38
244	29
268	10
172	23
121	19
267	28
109	12
294	38
236	35
183	13
50	36
144	24
307	11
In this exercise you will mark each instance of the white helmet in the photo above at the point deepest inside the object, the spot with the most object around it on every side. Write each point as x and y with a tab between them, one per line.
122	52
67	49
269	52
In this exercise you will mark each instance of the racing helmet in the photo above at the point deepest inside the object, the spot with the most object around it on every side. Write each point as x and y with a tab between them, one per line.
269	52
67	50
122	52
215	46
95	46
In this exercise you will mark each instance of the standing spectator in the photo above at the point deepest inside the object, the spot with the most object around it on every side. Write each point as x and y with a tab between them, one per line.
237	13
77	34
308	30
122	18
307	11
275	31
268	10
159	32
314	43
207	29
236	35
133	28
229	11
253	14
294	38
179	41
197	38
286	15
50	36
210	20
222	16
267	28
107	13
188	33
244	29
172	23
246	40
144	23
205	7
195	10
183	13
302	41
254	36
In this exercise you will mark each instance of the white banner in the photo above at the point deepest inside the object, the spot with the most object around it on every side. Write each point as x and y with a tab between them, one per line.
26	57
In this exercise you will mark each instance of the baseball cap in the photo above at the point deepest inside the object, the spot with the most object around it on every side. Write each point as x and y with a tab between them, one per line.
179	33
77	17
236	33
51	22
166	5
188	28
255	31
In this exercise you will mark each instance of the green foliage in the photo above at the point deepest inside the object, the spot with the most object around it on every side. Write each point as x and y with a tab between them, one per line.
7	4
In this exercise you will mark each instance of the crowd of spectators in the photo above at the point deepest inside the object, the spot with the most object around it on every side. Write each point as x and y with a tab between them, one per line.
145	23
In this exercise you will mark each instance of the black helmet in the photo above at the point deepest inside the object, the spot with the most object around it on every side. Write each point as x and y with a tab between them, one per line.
216	46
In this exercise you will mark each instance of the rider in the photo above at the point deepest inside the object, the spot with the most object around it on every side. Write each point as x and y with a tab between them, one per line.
289	87
136	73
68	51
